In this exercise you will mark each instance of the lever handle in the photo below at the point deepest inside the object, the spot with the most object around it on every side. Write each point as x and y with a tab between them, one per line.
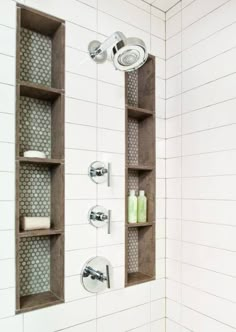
109	222
109	174
108	276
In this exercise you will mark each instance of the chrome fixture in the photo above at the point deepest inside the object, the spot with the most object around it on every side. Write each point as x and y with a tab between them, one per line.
99	173
127	54
95	275
99	217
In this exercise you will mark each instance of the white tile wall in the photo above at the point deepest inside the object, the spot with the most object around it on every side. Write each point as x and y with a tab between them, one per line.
94	129
200	167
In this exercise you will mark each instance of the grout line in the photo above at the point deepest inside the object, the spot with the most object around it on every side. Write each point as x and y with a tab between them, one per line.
202	245
201	313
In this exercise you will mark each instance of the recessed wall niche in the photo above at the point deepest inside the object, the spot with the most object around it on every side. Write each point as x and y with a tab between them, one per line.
39	181
140	170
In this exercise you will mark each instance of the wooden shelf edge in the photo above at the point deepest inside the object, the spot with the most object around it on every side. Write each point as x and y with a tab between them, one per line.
38	301
45	161
136	278
140	167
140	224
40	232
138	113
38	91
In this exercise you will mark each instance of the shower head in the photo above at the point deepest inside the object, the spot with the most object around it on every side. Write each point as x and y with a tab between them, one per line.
127	54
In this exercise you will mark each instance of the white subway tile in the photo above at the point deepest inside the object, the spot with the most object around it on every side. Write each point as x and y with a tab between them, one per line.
75	260
7	302
173	25
74	289
78	37
79	187
80	237
8	152
7	128
116	236
109	303
173	45
111	141
85	327
7	96
123	10
110	95
200	322
124	320
114	253
7	186
217	260
210	211
208	281
157	27
60	317
157	309
209	24
81	14
8	13
76	211
80	137
210	305
117	162
7	215
78	161
7	276
81	87
219	139
12	324
78	62
111	118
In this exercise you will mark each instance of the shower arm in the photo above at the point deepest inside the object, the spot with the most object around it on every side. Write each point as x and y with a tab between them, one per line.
115	38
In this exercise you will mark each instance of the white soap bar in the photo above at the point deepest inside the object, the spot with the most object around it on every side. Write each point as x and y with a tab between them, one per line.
33	223
34	154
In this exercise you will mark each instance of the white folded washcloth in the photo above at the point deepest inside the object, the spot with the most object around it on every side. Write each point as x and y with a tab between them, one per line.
33	223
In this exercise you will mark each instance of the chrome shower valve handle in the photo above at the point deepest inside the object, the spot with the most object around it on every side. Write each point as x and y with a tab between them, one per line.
99	173
96	274
99	217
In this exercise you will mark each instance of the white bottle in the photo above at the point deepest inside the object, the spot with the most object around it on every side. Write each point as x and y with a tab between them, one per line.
142	207
132	207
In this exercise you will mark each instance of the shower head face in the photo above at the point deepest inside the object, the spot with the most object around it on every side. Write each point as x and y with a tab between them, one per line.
129	54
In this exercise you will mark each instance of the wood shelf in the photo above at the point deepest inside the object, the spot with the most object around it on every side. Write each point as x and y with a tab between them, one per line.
141	224
140	167
37	91
37	301
137	278
138	113
40	232
43	161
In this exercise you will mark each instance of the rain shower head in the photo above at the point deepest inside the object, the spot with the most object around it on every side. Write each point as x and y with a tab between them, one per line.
127	54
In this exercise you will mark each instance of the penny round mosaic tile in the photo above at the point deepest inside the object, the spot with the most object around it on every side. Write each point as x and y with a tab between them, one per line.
133	141
35	182
35	125
132	88
132	250
34	258
35	57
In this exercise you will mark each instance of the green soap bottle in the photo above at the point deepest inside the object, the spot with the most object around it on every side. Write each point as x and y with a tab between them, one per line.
142	207
132	207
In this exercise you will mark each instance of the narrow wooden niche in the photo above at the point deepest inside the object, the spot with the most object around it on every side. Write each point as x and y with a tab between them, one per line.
140	170
39	181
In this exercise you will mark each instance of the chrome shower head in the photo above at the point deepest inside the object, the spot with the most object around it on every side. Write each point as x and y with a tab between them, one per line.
127	54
